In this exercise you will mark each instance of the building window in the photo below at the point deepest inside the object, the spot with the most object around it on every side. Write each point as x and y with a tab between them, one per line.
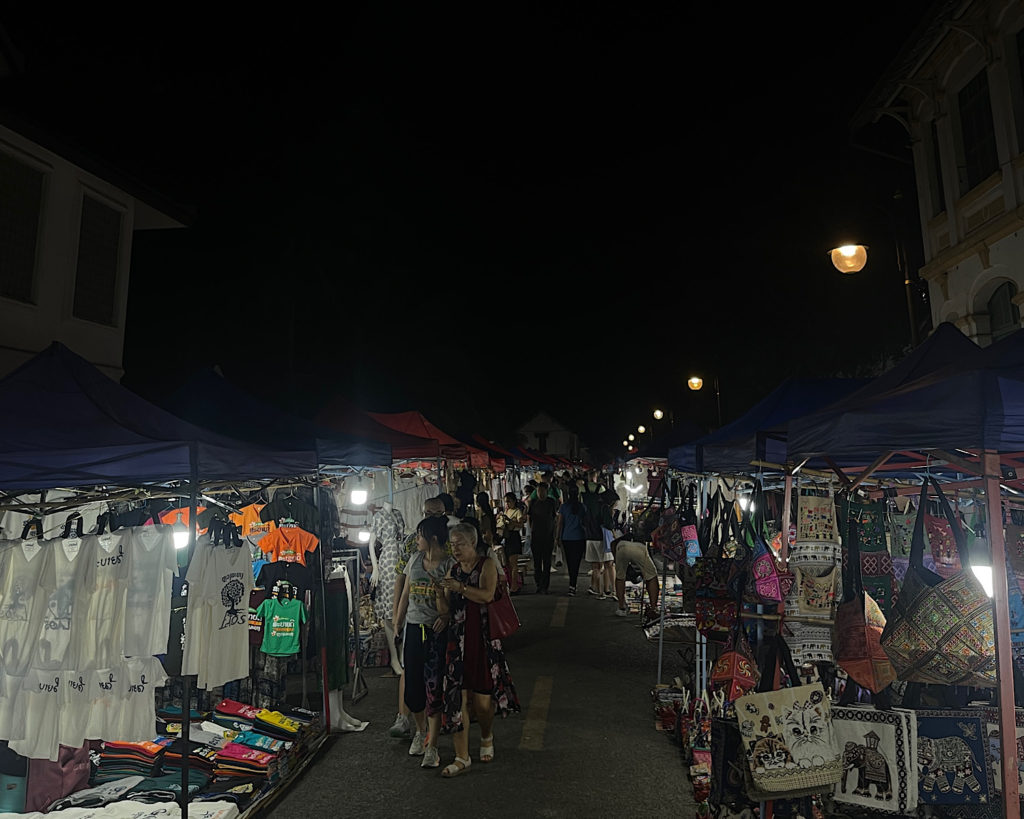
977	132
99	242
21	202
542	441
1003	314
938	191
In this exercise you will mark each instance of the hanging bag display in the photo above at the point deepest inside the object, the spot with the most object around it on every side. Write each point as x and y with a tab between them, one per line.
816	518
951	760
713	570
879	761
858	627
735	672
765	578
941	630
788	738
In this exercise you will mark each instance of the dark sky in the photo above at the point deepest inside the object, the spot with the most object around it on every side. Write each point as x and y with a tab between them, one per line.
479	212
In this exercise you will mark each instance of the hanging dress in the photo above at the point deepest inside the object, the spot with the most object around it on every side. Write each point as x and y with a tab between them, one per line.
472	661
388	529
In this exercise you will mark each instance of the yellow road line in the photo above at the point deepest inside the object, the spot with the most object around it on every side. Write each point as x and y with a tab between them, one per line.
561	610
537	716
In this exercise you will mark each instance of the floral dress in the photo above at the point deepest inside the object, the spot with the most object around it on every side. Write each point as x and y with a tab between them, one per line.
503	692
388	530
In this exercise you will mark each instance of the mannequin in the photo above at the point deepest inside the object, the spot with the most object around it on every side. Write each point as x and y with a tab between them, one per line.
340	720
387	529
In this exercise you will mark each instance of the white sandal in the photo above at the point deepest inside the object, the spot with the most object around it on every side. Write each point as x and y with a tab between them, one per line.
456	768
487	748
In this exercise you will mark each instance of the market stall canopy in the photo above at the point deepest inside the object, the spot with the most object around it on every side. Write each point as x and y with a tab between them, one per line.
975	402
342	415
490	446
415	423
65	423
210	401
731	448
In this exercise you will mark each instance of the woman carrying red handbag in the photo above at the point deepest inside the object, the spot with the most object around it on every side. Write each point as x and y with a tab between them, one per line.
475	662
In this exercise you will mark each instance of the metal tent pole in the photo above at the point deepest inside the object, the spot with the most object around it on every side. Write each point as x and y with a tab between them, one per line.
1004	656
186	705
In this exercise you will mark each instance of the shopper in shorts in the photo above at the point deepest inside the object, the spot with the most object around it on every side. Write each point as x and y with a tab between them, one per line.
631	551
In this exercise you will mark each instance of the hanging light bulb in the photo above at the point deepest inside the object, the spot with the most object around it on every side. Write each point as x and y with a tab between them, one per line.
180	533
358	496
364	536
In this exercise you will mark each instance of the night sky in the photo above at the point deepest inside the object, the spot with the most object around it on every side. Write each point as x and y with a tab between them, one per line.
482	212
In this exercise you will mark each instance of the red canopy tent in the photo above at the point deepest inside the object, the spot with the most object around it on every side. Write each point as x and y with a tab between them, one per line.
342	415
415	423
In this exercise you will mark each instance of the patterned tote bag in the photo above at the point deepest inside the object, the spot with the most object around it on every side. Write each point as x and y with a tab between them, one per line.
788	738
858	631
952	767
941	630
867	520
765	581
816	517
879	766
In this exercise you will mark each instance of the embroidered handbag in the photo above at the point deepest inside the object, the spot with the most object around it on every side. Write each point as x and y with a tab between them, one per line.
951	760
879	765
941	630
942	545
788	738
668	537
816	517
867	521
713	570
858	628
501	614
735	671
901	532
764	583
715	615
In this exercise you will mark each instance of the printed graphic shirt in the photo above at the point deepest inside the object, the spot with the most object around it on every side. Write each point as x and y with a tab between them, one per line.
37	716
422	595
55	637
152	563
248	520
282	621
26	581
288	544
135	715
99	602
291	511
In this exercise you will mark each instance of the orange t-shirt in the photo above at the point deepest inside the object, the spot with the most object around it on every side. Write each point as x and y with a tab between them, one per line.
248	518
288	544
170	517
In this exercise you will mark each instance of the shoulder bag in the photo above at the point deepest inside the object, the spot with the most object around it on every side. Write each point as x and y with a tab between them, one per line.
501	614
941	630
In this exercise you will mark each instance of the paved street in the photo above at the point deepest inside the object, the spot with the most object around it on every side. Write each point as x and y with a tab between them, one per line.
584	744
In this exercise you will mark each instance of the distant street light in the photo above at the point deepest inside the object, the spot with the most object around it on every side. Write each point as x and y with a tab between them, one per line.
849	258
658	415
695	382
631	436
641	429
625	443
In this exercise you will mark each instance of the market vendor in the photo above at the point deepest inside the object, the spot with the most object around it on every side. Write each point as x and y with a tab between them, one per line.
631	551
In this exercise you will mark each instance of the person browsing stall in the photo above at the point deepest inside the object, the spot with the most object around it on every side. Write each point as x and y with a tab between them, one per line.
631	551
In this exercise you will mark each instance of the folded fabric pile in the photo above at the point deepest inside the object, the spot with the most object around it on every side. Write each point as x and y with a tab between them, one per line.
240	790
236	760
201	757
167	787
235	715
168	720
136	809
121	759
277	725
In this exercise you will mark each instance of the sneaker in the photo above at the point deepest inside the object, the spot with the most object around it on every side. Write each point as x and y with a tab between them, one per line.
431	758
401	728
594	592
620	612
572	591
418	741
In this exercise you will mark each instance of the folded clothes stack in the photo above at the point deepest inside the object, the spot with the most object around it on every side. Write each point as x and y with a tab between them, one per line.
167	786
235	715
201	757
168	720
235	760
277	725
121	759
262	742
240	790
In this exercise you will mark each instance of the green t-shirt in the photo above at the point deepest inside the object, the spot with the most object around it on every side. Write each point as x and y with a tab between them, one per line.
282	620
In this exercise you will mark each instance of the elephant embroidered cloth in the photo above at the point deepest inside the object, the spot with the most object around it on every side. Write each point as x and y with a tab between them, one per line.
788	739
879	769
816	517
950	756
995	752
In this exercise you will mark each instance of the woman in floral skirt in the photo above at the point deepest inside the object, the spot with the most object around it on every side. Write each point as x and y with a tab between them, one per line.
475	664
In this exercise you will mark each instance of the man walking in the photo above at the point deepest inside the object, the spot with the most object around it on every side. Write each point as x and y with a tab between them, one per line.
542	513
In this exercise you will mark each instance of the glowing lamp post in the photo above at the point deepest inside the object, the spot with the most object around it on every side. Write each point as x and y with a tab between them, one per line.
695	382
849	258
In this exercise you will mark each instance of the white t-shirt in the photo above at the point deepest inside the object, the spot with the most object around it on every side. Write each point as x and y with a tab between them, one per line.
135	715
37	715
217	624
151	565
106	690
56	633
26	578
77	692
99	602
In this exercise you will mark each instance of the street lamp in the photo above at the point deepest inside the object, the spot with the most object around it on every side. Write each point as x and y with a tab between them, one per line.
851	258
695	382
658	415
631	436
641	429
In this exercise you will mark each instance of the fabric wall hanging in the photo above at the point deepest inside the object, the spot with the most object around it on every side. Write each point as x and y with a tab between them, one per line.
942	545
858	631
950	752
788	738
901	532
879	766
867	521
941	630
995	752
816	517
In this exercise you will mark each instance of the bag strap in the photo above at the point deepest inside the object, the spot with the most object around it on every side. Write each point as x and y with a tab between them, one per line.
853	582
917	541
775	651
954	525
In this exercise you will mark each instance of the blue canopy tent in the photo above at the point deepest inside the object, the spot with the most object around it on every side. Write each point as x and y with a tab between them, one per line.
210	401
681	433
732	447
64	423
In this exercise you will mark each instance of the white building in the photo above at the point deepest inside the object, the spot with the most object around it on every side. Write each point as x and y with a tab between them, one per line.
544	434
957	87
66	227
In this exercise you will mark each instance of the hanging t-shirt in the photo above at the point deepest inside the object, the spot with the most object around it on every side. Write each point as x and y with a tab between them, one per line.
80	695
36	723
105	688
294	573
223	586
26	581
282	621
55	636
248	520
98	609
152	563
136	712
172	516
293	511
289	544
